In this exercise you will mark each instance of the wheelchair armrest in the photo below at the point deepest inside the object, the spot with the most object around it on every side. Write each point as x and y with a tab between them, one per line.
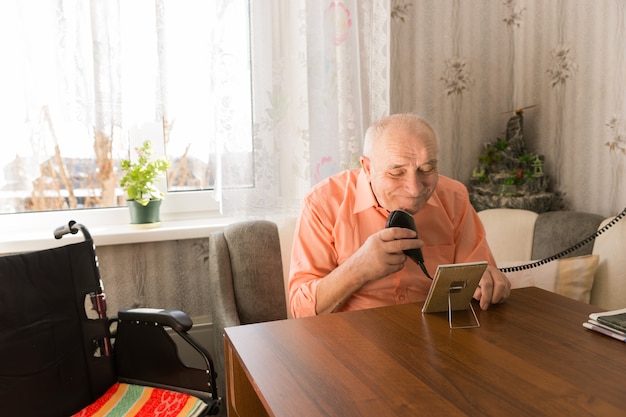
176	319
146	353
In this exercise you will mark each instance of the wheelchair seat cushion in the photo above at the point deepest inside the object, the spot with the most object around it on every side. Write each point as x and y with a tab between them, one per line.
141	401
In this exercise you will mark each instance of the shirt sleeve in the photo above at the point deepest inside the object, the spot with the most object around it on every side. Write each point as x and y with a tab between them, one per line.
313	257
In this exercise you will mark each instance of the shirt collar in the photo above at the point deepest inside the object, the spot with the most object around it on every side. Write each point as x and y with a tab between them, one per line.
365	196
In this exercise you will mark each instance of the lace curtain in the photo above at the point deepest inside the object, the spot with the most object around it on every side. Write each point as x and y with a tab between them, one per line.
101	76
320	77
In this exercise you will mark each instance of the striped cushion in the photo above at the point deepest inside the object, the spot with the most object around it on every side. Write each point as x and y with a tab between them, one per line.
135	400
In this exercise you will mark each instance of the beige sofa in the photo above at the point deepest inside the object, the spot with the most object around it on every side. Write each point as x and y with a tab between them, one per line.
594	273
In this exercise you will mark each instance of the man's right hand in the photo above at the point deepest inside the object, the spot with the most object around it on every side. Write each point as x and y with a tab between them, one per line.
381	254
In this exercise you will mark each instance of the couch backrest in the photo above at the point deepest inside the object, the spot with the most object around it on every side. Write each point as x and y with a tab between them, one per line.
510	233
516	235
556	231
609	287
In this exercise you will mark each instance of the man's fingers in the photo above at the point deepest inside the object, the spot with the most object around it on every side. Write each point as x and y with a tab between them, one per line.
494	288
395	233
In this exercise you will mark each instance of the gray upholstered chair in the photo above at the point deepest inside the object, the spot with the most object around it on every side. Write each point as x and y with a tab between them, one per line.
246	280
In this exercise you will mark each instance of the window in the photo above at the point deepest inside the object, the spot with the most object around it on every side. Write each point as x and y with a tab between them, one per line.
83	83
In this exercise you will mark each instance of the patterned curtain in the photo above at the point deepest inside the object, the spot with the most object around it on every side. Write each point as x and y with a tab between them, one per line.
320	77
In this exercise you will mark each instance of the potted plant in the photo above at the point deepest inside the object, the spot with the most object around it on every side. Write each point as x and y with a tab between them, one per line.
139	182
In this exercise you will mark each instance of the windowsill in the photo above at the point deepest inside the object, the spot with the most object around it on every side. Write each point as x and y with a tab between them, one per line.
107	230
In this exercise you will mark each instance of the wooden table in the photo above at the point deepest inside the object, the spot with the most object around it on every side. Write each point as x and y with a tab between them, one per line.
530	357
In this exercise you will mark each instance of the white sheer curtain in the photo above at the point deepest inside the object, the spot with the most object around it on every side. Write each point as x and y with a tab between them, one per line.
84	82
92	76
320	77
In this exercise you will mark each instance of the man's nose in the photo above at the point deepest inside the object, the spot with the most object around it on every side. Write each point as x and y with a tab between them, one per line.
414	184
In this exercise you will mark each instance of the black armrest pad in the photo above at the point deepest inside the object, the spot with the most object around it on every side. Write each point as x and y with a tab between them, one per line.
176	319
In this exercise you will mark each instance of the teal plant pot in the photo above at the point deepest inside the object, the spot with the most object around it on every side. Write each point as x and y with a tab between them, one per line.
145	215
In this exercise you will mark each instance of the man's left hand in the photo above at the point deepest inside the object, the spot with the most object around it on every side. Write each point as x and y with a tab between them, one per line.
494	288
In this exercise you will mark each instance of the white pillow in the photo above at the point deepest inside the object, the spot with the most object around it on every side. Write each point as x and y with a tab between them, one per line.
571	277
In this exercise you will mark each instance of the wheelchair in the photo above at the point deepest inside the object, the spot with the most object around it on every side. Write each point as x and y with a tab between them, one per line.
61	355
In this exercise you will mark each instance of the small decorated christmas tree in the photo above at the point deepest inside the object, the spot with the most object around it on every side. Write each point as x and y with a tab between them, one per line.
510	176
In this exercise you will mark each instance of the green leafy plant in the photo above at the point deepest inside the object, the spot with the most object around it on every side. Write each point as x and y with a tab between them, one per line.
491	155
139	177
527	158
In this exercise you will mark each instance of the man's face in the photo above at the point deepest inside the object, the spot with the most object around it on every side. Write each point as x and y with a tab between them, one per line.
403	169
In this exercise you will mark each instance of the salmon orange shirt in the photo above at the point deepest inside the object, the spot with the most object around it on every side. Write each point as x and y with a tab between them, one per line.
341	212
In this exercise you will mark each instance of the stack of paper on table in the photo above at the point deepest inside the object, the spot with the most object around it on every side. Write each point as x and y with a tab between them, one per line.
610	323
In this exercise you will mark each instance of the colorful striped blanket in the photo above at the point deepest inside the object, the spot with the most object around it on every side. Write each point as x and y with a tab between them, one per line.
135	400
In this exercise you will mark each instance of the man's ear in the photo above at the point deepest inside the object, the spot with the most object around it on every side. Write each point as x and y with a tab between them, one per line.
366	164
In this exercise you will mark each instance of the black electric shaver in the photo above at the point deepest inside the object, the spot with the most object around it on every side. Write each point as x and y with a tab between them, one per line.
400	218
